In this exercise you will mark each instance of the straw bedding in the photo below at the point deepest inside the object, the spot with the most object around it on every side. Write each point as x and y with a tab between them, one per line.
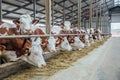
59	62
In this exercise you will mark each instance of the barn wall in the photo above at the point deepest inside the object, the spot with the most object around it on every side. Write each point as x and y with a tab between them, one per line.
115	18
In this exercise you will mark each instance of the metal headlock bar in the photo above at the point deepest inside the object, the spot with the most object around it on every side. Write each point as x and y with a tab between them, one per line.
46	35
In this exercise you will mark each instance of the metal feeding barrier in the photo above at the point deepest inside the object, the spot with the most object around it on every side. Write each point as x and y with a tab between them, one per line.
45	35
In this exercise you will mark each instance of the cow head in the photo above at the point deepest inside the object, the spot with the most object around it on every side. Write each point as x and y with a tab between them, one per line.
51	44
78	43
35	58
65	44
67	25
58	40
70	39
25	24
87	39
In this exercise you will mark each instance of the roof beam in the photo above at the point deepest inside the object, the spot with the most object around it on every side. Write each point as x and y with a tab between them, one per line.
18	7
9	11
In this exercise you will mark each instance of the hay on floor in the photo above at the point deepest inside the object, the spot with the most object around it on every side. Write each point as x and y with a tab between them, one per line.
59	62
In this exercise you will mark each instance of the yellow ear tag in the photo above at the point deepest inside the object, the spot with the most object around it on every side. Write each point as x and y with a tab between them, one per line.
0	52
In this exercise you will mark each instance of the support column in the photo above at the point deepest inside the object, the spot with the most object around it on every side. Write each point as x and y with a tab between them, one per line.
0	10
72	14
34	7
97	17
102	21
105	23
91	7
63	11
84	24
48	15
88	24
100	16
110	27
0	21
52	13
79	14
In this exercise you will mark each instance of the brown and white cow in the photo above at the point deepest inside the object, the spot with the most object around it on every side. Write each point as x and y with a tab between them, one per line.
36	53
61	41
20	45
47	42
73	41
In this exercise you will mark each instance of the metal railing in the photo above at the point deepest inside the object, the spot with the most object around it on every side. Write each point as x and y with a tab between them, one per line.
46	35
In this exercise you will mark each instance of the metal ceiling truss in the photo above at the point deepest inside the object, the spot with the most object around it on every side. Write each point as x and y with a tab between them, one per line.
68	15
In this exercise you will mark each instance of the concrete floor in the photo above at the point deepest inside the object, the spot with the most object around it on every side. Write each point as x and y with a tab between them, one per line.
101	64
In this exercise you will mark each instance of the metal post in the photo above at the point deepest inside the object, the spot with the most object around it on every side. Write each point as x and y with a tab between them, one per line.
91	7
105	25
96	18
110	27
0	10
88	24
103	17
84	24
0	21
52	12
72	13
34	7
63	11
48	15
79	14
101	22
100	15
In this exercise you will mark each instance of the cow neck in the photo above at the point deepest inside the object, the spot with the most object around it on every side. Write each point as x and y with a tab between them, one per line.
44	43
25	40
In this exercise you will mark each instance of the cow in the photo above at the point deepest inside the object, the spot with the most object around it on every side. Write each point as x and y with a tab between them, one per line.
91	35
78	44
61	41
73	42
36	53
21	48
15	48
20	45
98	34
86	38
48	43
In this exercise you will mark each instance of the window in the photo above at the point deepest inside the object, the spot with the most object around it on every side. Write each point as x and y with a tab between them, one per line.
117	2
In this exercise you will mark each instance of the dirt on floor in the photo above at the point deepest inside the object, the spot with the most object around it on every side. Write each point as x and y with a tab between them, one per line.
59	62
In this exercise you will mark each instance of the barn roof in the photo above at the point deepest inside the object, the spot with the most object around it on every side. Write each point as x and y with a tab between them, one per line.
12	9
